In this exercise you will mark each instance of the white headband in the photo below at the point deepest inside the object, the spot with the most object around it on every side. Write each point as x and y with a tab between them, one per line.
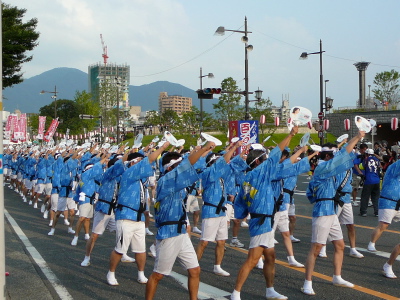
327	149
258	158
172	162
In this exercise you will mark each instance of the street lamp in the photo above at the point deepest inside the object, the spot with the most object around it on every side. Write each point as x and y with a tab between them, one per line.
53	97
304	55
247	48
209	75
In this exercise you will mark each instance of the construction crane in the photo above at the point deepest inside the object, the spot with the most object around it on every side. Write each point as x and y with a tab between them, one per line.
105	56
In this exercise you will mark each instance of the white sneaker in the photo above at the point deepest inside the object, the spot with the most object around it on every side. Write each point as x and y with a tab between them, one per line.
45	214
127	259
87	236
322	254
307	291
260	264
148	232
220	272
25	200
341	282
274	295
275	241
51	231
77	213
152	252
294	240
142	279
51	223
388	272
356	254
85	262
371	247
70	230
42	208
35	205
74	241
355	204
30	202
236	243
244	224
294	263
111	280
196	230
66	222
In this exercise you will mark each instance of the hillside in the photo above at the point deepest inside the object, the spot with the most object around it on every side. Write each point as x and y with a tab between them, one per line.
27	98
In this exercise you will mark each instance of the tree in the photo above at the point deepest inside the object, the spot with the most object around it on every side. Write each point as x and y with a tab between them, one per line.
228	107
263	107
86	106
18	38
387	90
170	120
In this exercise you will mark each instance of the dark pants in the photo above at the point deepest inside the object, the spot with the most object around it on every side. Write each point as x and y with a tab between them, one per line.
373	191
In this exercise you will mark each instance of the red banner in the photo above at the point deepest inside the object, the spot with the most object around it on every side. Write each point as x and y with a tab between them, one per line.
22	127
52	129
7	132
42	124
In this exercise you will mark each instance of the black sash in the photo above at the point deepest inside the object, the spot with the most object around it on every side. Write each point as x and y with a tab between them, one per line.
262	218
397	202
219	206
287	191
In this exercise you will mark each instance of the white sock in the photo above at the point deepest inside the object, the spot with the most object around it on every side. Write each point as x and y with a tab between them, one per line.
111	274
87	257
217	267
141	274
337	277
307	284
235	293
371	244
291	259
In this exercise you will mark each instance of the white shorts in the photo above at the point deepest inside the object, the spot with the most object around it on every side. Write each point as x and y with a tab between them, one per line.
47	188
265	240
65	203
192	204
101	222
388	215
214	229
86	210
169	250
19	176
230	212
130	233
281	221
326	228
13	176
39	188
29	184
345	214
291	209
152	181
54	202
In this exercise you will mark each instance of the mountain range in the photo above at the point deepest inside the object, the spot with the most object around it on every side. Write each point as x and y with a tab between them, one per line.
27	98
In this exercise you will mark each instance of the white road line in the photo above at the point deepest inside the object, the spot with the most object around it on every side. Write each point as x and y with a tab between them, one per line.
205	291
378	253
55	282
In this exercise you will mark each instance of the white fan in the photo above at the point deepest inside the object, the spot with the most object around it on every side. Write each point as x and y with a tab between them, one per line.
170	138
304	139
342	137
210	138
235	139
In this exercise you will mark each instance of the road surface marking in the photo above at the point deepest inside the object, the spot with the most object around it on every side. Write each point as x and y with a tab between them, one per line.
205	291
55	282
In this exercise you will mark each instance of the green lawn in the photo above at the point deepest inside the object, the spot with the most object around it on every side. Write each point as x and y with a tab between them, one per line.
277	137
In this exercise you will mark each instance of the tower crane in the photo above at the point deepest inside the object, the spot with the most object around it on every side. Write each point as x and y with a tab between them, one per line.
105	56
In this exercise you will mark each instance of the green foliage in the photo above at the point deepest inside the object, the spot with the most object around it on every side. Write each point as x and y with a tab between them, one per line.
228	107
18	38
387	90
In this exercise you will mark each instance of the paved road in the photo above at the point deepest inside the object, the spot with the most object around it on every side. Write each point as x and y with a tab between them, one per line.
44	267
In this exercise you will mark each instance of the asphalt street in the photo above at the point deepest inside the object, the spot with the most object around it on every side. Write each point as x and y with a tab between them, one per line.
48	267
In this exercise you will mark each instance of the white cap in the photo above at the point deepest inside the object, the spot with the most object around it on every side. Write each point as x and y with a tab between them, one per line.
369	151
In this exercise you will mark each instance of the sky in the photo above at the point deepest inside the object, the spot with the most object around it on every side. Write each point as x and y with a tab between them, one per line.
171	39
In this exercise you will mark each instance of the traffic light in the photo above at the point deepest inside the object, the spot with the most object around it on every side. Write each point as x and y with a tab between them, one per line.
208	93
